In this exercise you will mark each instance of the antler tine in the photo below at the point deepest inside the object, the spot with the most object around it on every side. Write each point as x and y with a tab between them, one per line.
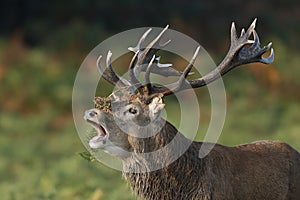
149	47
115	77
239	53
180	83
133	79
112	77
141	56
242	32
148	52
250	30
134	59
233	35
102	72
189	67
269	59
138	46
165	44
147	74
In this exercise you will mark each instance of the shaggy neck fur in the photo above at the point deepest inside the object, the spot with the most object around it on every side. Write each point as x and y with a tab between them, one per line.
259	170
169	180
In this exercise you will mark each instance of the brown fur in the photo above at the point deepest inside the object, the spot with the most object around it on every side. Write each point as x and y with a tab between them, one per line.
259	170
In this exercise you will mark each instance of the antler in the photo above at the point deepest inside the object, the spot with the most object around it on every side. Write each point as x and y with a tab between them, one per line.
239	53
112	77
138	62
242	51
142	56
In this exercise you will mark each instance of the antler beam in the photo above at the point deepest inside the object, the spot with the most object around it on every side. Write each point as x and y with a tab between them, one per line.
239	53
242	50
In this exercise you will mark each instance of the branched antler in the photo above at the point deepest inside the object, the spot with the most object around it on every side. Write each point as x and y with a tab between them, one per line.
143	56
242	50
239	53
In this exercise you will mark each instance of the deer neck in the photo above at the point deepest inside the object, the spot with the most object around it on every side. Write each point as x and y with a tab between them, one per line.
157	151
155	163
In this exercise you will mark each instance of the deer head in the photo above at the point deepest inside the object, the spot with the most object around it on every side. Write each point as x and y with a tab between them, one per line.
132	113
122	117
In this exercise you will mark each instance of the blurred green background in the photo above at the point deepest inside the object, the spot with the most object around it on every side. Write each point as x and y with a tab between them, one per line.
42	45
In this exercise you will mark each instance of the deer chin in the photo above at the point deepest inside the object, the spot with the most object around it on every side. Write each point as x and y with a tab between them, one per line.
98	141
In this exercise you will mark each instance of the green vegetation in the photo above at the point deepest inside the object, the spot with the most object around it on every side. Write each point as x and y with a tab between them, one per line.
39	146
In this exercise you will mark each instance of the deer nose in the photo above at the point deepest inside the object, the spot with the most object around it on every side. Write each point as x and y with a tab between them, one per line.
90	113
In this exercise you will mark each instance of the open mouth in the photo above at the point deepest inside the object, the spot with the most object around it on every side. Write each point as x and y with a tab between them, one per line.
100	139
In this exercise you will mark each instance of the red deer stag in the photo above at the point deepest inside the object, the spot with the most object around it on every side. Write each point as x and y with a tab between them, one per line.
258	170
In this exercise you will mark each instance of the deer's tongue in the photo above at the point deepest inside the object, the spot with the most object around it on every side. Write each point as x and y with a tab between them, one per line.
99	140
100	130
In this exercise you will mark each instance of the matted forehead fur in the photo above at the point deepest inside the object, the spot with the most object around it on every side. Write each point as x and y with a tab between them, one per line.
121	98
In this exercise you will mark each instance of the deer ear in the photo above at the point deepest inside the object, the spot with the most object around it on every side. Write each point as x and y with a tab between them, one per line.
155	107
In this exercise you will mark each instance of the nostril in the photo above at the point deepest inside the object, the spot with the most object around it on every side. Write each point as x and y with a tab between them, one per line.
92	114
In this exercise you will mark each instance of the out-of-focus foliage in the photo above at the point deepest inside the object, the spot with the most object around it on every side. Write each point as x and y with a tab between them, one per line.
42	45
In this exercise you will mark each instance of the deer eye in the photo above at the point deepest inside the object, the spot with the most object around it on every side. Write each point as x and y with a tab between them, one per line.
132	110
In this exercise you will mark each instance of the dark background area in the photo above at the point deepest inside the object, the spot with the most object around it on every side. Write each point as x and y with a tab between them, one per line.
42	45
40	23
